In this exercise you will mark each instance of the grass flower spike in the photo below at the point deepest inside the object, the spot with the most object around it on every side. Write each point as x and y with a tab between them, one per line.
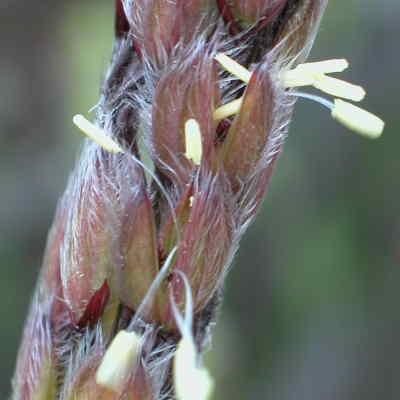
193	114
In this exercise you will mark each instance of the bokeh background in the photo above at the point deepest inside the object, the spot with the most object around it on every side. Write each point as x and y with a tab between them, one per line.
312	305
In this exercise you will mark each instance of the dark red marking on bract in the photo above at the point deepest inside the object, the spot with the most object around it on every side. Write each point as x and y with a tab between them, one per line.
137	48
162	257
222	130
234	26
272	15
121	22
95	308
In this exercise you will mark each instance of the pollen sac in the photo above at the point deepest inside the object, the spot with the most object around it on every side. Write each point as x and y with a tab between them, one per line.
190	381
119	360
180	96
249	136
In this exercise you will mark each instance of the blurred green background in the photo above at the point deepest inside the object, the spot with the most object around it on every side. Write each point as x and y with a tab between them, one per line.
311	305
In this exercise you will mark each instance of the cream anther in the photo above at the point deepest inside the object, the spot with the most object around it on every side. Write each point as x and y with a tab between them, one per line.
194	147
97	134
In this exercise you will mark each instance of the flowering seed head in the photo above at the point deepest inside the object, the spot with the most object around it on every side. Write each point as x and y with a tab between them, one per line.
182	152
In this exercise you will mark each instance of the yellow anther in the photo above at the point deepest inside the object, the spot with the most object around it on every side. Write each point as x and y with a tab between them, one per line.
338	88
324	67
234	67
357	119
96	134
314	74
119	361
297	78
228	109
194	147
190	382
302	75
333	86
